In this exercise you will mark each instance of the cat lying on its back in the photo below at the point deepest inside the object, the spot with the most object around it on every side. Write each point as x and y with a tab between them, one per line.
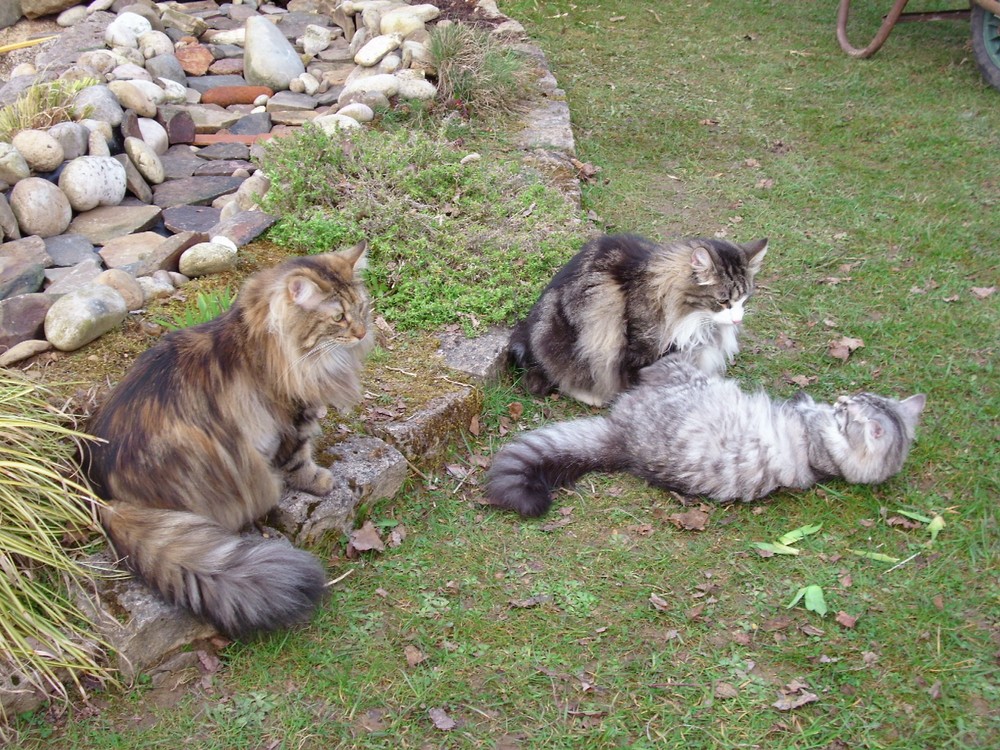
698	434
623	302
197	437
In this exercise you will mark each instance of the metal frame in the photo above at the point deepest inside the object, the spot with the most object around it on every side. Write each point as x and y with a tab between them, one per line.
895	15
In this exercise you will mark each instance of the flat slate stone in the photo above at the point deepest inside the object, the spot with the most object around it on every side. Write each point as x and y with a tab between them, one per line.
253	124
180	162
107	222
222	168
194	191
284	100
201	84
191	218
244	226
69	249
225	151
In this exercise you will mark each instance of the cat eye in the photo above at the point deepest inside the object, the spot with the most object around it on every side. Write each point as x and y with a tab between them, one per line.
337	317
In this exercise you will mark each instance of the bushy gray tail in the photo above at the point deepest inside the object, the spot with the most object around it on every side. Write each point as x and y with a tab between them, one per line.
525	472
241	584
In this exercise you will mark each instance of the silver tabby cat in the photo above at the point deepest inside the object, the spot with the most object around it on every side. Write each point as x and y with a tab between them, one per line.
699	434
622	302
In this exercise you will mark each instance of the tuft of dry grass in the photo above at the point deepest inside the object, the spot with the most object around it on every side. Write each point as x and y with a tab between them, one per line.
46	521
477	72
42	106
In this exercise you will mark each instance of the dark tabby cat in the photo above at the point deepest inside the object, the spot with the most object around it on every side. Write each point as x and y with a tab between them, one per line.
201	429
623	302
699	434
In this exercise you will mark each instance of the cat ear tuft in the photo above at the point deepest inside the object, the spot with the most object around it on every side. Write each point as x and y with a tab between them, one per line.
304	292
875	428
357	256
704	268
913	406
755	252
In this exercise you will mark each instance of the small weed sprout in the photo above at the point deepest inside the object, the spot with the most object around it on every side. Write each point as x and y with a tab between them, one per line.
42	106
475	71
208	305
44	637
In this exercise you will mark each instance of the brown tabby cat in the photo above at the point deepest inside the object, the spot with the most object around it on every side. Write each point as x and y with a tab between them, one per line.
197	436
623	302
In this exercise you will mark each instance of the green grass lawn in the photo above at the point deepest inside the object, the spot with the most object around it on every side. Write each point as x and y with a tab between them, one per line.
877	184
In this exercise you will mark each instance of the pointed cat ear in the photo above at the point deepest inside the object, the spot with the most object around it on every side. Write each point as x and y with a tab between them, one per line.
755	252
913	406
357	256
304	292
703	266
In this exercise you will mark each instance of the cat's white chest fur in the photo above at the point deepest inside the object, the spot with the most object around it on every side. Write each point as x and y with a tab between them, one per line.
715	340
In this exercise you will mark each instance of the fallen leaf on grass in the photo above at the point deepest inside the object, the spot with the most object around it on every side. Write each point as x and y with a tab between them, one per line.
397	535
642	529
659	603
776	549
515	409
813	599
691	520
874	556
846	620
474	427
935	690
531	601
725	691
843	347
802	381
903	523
934	527
812	630
982	292
366	538
557	524
789	702
414	655
441	719
796	534
780	622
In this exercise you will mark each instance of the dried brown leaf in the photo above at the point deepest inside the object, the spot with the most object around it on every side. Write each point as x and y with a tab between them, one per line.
780	622
531	601
557	524
366	538
414	655
725	691
843	347
691	520
903	523
809	629
474	427
515	409
934	691
441	719
846	620
659	603
982	292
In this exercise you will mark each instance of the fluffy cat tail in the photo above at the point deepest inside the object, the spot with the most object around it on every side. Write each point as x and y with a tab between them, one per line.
525	472
240	584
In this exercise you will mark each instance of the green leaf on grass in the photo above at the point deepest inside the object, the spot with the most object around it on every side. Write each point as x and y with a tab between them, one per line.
814	600
803	531
776	548
874	556
934	526
915	516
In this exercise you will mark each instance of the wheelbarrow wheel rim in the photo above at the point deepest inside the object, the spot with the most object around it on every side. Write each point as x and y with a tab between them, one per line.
986	44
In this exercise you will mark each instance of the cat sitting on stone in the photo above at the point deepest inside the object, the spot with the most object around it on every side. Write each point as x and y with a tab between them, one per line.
196	439
681	429
623	302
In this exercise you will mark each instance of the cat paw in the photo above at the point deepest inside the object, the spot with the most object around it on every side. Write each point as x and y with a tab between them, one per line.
313	479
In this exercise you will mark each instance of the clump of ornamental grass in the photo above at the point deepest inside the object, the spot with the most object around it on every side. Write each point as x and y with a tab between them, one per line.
475	71
41	106
47	522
